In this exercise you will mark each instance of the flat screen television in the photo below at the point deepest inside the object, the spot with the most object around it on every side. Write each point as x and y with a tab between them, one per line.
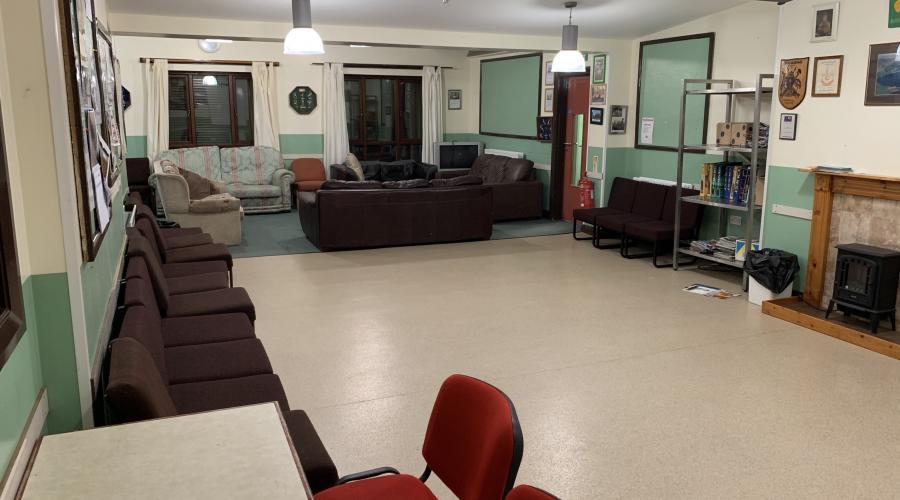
457	155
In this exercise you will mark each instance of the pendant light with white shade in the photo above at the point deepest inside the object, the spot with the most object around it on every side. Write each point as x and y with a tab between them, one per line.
303	40
569	59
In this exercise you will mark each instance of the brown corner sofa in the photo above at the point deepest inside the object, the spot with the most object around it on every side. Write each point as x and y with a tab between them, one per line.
380	171
346	215
517	192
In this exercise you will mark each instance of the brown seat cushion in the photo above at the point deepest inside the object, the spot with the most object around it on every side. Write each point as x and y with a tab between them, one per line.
654	231
188	240
216	251
177	232
616	222
408	184
177	270
589	214
203	362
333	185
136	390
309	185
229	300
198	283
320	470
228	393
463	180
208	329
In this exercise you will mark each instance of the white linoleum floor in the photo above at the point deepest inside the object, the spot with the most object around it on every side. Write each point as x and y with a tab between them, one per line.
626	387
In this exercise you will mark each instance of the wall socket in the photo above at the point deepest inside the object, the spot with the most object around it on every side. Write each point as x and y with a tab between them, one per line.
735	220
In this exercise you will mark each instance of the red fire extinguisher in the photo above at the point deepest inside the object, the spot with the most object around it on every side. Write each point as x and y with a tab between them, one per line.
586	193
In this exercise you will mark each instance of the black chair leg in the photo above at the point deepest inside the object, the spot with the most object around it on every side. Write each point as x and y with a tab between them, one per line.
575	232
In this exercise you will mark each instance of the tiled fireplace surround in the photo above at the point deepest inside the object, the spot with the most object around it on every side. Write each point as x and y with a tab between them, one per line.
859	219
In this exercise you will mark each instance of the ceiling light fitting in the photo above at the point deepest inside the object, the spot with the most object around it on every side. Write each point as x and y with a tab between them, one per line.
303	39
210	81
569	59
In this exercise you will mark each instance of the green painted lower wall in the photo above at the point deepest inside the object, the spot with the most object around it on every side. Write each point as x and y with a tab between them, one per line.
791	187
53	320
98	278
137	146
21	381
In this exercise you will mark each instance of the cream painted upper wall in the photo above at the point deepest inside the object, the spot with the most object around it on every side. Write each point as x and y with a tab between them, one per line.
294	71
28	101
839	131
744	48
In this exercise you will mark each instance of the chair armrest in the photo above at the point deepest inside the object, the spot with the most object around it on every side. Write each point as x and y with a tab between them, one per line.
281	175
449	174
340	172
430	170
173	192
215	204
367	475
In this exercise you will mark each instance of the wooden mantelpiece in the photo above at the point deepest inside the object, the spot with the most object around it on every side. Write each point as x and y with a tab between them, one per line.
826	186
807	313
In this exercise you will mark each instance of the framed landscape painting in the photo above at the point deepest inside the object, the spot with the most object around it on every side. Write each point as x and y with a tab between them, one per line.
883	82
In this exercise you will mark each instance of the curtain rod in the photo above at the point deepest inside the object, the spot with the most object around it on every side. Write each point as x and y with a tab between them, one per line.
209	61
383	66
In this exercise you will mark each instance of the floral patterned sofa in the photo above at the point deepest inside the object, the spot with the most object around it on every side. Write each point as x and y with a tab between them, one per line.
253	174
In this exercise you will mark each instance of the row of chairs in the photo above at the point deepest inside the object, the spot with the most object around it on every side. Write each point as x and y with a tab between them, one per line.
640	212
186	343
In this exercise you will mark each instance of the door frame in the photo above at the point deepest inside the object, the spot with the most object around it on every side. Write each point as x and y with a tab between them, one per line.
558	137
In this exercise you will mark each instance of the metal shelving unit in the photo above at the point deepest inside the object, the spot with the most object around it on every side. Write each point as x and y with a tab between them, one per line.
754	154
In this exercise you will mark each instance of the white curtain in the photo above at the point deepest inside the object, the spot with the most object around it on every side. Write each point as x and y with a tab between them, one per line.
265	105
432	111
337	144
156	74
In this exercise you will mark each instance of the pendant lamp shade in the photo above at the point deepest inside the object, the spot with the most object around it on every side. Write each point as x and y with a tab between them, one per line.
569	59
303	40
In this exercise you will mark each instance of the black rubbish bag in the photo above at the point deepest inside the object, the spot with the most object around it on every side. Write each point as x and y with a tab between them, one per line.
773	269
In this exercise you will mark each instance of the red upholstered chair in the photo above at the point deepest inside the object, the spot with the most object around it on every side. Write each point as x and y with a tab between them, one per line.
525	492
473	444
309	174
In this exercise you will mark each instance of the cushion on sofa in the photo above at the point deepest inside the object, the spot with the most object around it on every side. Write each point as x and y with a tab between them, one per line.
398	171
410	184
204	161
496	169
353	164
463	180
518	170
242	191
251	165
215	204
199	187
337	185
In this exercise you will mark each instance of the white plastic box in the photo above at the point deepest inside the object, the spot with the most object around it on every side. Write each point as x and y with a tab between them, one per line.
759	294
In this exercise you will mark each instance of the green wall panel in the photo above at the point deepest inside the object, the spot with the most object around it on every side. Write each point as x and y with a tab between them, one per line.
302	144
53	315
137	146
20	383
99	277
791	187
663	67
510	95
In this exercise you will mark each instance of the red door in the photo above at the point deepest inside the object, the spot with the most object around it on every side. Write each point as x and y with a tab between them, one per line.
575	145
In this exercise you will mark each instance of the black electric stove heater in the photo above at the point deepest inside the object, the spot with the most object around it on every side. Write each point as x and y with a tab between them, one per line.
865	283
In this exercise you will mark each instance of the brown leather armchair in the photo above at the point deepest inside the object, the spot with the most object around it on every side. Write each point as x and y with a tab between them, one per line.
517	192
309	174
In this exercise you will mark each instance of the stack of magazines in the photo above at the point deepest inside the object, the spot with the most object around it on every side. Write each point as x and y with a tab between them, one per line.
722	248
727	182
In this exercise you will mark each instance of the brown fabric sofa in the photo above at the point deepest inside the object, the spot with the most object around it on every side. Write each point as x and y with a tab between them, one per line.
517	193
340	219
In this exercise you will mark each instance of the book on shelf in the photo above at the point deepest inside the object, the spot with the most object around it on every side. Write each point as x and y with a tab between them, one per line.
725	181
722	248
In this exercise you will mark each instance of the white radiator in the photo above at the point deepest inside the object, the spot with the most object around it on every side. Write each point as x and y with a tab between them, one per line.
664	182
499	152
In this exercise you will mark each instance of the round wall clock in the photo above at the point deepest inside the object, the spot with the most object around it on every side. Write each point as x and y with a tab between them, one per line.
303	100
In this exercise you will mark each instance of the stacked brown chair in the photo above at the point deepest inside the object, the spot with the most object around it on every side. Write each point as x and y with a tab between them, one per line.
662	232
621	201
210	252
147	291
649	199
309	175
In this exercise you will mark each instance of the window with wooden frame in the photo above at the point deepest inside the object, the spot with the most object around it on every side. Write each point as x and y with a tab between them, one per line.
384	117
12	311
210	109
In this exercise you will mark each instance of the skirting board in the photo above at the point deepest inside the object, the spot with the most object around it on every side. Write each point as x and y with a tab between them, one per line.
18	466
797	213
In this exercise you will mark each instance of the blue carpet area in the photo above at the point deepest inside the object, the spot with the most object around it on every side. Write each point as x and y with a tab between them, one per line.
280	234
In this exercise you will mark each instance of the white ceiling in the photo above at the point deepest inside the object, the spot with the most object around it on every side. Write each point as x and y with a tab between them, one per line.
596	18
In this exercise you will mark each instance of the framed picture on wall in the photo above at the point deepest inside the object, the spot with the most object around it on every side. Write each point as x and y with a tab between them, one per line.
788	131
825	22
597	116
454	100
828	72
599	68
548	73
548	100
618	119
883	82
598	94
